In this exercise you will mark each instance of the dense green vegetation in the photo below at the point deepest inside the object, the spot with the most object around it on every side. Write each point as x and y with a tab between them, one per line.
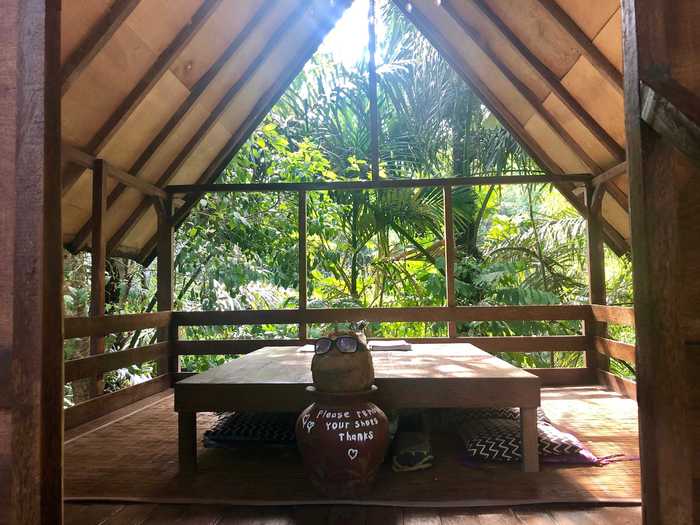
516	245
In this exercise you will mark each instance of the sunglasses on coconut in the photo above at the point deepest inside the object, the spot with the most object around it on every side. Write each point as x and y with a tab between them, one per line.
345	343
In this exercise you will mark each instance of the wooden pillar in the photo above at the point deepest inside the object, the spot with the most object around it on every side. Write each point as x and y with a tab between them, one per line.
165	279
98	263
449	257
303	334
661	44
596	274
31	265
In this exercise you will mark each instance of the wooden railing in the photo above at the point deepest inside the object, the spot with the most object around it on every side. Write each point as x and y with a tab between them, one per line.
95	366
170	347
610	348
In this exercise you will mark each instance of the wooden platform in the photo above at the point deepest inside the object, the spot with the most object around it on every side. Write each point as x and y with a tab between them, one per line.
444	375
134	459
151	514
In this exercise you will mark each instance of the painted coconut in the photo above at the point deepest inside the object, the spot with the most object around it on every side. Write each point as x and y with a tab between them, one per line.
337	371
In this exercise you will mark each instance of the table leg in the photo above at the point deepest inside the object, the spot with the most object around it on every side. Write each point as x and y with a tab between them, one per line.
187	441
528	431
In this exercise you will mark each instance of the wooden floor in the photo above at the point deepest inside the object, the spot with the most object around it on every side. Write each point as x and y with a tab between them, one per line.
136	514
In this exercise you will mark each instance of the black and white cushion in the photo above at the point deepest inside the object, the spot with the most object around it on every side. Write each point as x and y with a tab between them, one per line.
498	439
233	429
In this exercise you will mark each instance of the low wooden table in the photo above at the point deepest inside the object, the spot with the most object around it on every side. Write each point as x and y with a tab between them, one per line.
450	375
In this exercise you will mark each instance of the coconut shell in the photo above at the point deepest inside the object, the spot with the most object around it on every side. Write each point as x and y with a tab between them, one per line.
336	371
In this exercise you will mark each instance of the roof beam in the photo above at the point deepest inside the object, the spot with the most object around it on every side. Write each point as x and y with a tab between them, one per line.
258	113
521	87
201	132
91	45
615	240
120	115
588	48
553	83
610	174
197	91
87	161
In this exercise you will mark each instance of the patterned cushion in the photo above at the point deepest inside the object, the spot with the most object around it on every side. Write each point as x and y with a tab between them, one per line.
497	439
450	419
233	429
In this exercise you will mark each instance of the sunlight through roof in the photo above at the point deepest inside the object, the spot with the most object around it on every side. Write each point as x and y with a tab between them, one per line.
347	42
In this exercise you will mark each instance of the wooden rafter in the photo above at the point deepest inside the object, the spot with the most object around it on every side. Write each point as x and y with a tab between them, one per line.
522	88
197	91
205	127
609	175
120	115
262	108
587	47
553	83
90	47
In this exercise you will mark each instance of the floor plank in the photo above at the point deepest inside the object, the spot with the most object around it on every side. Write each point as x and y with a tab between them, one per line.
88	514
347	515
131	514
421	517
384	516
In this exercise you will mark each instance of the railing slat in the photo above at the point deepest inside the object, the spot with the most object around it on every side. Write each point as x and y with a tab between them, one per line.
613	314
98	364
104	404
415	314
616	349
110	324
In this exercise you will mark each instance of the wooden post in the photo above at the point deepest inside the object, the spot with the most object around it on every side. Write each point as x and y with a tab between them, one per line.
31	265
596	275
661	51
98	263
449	257
302	261
164	271
373	103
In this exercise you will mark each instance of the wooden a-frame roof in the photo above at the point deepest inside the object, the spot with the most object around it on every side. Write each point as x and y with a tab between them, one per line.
168	90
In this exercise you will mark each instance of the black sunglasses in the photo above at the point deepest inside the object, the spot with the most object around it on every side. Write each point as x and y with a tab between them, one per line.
345	343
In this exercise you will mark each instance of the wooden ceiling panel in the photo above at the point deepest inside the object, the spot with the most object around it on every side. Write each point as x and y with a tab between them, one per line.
229	19
609	40
616	216
494	40
172	16
247	54
470	53
104	83
579	132
553	144
539	32
145	122
75	207
78	17
597	97
140	234
590	15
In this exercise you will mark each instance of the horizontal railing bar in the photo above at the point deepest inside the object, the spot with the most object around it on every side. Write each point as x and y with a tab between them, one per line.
413	314
622	351
521	344
98	364
617	384
565	376
111	324
623	315
377	184
104	404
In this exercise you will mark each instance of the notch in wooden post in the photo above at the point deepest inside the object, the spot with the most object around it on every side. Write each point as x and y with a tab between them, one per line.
98	265
449	257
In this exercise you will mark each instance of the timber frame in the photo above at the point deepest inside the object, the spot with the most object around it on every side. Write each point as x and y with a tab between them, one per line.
58	137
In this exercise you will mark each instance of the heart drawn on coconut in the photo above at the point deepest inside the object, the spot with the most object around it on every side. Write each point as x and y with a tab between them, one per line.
309	426
305	419
352	453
